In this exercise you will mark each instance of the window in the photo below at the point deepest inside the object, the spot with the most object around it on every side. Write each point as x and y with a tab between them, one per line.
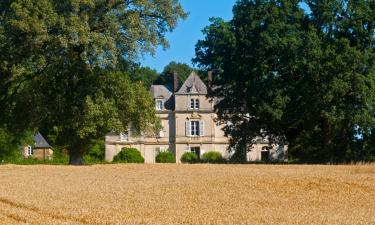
194	128
30	150
161	133
124	137
194	103
160	149
196	150
265	154
159	104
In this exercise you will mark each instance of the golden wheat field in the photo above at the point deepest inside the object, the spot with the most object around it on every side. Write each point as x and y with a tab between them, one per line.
187	194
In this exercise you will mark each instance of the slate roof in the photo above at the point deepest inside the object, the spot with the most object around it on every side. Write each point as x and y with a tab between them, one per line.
193	85
40	142
162	92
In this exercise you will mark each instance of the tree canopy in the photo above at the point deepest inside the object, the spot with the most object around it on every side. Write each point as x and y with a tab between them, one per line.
183	70
56	59
298	72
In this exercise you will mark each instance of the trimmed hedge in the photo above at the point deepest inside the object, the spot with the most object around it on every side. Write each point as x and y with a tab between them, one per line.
129	155
212	157
165	157
189	157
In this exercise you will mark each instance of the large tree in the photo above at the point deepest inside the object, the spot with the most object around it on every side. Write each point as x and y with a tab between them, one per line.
54	61
296	71
183	70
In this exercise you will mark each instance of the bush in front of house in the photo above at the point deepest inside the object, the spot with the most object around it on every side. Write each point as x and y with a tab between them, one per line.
165	157
212	157
129	155
189	157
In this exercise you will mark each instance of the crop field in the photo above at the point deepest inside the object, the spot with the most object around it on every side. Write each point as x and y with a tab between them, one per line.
187	194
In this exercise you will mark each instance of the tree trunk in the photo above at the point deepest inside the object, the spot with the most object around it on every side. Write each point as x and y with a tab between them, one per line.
76	158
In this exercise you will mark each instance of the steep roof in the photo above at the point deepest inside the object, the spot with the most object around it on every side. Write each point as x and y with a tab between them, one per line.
40	142
162	92
193	85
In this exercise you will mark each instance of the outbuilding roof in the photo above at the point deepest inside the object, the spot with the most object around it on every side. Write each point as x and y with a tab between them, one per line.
40	142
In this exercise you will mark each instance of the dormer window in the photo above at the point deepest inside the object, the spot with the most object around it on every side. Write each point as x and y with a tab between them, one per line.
194	103
159	104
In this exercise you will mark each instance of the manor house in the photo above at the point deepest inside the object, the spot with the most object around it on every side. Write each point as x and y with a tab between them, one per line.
188	124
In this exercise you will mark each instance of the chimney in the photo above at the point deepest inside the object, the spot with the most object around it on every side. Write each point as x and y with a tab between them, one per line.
209	78
174	81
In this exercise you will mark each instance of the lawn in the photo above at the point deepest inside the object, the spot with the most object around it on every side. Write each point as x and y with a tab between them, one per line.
187	194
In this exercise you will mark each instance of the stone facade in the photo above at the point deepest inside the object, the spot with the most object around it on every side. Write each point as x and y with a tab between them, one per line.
188	122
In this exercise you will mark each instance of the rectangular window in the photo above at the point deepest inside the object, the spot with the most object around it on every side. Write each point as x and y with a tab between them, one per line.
194	128
160	149
159	105
194	103
197	103
161	133
30	150
197	151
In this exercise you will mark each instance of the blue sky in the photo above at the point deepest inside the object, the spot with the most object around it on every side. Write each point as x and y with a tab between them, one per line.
183	39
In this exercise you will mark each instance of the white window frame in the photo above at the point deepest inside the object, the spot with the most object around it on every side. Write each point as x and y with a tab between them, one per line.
194	103
161	133
159	104
198	128
30	150
161	149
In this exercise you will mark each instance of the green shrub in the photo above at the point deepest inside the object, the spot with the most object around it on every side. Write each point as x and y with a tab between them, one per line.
88	159
33	161
165	157
189	157
129	155
95	152
212	157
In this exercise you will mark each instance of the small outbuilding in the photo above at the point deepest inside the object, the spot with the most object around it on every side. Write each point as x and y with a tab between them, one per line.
41	150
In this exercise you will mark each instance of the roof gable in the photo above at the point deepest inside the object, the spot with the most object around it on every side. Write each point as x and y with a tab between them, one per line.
40	142
160	91
193	85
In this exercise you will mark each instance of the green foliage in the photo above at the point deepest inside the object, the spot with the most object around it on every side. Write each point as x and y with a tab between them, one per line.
56	59
96	152
189	157
138	73
11	144
128	155
33	161
239	156
305	79
183	70
212	157
165	157
7	148
146	75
